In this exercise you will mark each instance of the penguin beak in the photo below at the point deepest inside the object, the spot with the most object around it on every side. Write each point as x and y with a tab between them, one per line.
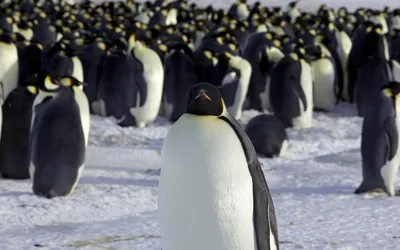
203	94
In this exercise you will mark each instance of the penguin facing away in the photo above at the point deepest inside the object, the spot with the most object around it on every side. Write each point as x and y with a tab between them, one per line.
380	142
268	135
56	142
195	155
180	75
17	114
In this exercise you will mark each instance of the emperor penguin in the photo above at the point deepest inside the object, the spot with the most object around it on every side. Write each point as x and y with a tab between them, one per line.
291	90
9	67
239	10
57	143
325	81
153	75
235	84
180	76
81	100
208	151
293	11
17	115
380	142
344	48
268	58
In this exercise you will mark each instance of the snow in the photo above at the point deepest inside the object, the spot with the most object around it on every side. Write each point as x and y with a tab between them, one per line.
115	204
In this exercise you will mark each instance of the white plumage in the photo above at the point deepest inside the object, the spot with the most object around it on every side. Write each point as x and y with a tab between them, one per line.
205	192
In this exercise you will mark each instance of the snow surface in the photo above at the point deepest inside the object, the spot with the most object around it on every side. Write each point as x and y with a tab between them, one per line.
115	203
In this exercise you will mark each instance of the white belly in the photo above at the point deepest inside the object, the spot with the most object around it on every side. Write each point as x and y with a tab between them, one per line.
9	68
304	120
324	84
396	70
389	171
149	111
84	111
264	96
205	193
78	69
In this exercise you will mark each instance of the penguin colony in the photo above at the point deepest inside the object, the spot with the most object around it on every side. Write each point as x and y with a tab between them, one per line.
200	67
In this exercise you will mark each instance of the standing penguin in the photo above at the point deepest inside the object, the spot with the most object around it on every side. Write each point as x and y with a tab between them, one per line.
291	90
17	115
235	84
57	140
180	76
208	151
325	81
380	142
153	75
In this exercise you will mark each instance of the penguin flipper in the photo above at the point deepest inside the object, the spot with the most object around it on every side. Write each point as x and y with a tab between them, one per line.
391	137
263	208
369	187
264	212
141	88
299	91
228	92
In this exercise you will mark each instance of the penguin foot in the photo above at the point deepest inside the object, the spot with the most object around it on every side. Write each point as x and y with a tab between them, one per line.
376	190
371	191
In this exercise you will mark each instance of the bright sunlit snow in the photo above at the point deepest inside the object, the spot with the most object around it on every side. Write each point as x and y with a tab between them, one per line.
115	204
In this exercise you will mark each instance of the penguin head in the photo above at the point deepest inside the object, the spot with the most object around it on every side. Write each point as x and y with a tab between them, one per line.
30	84
70	81
204	99
48	81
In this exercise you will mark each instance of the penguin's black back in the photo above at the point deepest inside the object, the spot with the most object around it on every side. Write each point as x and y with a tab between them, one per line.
180	75
119	85
29	60
57	145
92	58
43	34
17	114
267	134
60	64
373	75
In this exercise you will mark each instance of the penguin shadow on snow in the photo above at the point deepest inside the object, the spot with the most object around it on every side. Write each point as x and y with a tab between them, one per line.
307	191
15	194
349	158
96	180
341	110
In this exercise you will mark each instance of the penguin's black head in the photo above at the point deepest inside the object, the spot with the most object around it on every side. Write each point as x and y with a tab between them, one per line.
204	99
